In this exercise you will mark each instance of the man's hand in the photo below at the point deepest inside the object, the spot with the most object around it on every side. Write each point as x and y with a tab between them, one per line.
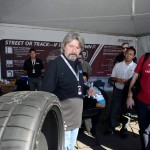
91	91
119	80
122	81
130	102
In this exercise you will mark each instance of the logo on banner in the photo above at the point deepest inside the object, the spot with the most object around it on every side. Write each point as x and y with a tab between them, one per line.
85	54
124	41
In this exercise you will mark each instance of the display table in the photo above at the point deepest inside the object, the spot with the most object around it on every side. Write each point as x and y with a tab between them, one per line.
6	88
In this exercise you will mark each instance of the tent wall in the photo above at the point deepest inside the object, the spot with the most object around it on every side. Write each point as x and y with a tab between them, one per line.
44	34
143	45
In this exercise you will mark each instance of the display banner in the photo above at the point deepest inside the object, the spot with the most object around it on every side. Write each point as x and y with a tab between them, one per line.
102	61
15	52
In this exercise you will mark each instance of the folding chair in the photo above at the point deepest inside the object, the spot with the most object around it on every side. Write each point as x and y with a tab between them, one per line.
87	117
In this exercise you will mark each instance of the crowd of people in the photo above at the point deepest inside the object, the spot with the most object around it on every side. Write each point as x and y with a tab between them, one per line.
67	77
121	73
126	71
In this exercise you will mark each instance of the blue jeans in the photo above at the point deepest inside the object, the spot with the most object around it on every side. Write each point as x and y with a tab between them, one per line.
144	124
71	138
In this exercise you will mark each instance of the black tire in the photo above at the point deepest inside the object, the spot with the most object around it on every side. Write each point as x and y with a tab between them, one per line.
31	121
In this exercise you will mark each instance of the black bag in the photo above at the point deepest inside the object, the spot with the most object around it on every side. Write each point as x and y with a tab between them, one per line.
137	86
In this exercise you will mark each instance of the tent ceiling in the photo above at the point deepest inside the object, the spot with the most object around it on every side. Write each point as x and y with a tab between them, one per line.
92	16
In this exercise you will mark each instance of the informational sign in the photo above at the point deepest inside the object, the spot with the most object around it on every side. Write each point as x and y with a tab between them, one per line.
15	52
102	60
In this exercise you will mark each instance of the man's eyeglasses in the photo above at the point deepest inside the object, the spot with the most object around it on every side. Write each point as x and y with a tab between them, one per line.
124	47
79	58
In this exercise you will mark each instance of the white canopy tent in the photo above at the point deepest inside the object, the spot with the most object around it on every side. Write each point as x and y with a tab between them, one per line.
109	22
111	17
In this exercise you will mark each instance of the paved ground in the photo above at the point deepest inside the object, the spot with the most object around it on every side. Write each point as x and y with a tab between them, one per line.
113	142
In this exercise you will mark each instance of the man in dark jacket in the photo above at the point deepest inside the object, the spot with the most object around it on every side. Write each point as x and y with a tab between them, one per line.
64	78
33	67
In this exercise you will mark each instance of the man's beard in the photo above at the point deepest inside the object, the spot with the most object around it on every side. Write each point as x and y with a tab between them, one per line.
72	57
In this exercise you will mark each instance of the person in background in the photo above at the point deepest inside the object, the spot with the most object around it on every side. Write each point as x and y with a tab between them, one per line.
33	67
121	73
142	100
85	65
92	102
120	57
64	78
100	101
